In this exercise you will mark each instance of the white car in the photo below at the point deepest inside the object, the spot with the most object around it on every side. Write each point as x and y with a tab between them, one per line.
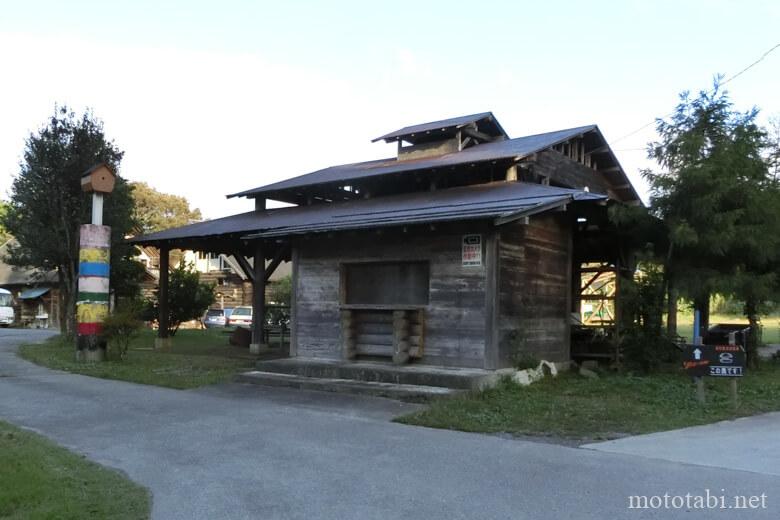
240	317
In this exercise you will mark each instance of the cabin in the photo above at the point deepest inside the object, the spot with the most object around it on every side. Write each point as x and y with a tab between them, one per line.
466	249
35	295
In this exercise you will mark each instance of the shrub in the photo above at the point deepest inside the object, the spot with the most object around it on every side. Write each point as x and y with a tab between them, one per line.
188	298
120	328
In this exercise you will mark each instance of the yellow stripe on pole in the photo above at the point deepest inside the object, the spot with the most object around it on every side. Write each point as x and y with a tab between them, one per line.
94	255
91	312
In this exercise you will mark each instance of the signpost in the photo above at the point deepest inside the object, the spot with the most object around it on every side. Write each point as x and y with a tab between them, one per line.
725	360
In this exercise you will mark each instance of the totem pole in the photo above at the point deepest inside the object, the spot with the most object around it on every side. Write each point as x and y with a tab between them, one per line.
94	251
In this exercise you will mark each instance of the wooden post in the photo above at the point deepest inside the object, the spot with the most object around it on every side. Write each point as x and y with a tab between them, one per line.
697	340
162	339
734	388
92	298
258	300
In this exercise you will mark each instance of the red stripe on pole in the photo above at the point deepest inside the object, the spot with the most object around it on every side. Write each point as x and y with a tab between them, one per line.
89	329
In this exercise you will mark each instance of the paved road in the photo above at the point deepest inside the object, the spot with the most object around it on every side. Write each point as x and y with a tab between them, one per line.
245	452
748	444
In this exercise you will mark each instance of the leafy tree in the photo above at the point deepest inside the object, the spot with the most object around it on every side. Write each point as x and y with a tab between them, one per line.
4	235
47	205
188	298
156	211
717	201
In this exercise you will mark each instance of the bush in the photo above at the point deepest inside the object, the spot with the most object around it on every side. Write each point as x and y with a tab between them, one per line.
188	298
120	328
644	344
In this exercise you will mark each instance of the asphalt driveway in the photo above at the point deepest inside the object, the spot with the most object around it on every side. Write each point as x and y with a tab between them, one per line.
238	451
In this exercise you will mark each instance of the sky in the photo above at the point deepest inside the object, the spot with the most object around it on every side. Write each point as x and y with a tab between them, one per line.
209	98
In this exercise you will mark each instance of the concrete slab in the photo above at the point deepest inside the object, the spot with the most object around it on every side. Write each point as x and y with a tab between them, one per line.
402	392
410	374
746	444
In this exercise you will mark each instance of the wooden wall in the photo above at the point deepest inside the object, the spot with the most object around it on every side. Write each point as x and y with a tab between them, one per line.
565	172
454	318
534	279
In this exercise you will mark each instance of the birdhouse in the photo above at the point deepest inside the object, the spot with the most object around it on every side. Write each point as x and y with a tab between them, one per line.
98	179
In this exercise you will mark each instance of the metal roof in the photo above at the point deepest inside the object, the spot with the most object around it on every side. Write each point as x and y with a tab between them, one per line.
498	199
511	148
31	294
443	125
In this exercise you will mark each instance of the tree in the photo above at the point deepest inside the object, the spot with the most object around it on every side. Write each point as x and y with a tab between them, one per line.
4	235
717	200
47	205
156	211
188	298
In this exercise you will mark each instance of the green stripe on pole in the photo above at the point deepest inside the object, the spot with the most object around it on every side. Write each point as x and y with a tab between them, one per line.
92	297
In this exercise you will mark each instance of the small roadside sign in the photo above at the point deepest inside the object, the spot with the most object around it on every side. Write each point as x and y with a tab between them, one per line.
714	360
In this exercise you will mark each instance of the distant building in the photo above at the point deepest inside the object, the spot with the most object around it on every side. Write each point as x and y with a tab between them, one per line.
36	298
232	287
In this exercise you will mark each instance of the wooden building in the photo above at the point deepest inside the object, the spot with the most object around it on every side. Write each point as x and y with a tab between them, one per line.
465	249
36	297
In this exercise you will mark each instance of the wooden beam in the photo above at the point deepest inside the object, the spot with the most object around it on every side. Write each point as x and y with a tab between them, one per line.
258	297
245	266
278	258
476	134
162	295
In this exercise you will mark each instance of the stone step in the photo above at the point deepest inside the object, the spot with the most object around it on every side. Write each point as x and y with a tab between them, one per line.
365	371
402	392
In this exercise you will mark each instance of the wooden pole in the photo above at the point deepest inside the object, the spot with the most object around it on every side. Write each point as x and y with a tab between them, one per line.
162	319
697	340
258	300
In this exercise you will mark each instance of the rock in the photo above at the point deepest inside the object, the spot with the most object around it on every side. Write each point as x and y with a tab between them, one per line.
521	377
590	374
548	368
590	364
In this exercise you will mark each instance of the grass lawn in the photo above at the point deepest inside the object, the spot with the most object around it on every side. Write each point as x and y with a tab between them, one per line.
612	406
195	358
770	324
40	480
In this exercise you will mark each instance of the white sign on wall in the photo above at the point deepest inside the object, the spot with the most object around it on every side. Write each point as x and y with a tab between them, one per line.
471	251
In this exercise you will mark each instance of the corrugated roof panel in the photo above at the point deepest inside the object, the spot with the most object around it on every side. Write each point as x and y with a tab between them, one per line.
519	147
31	294
467	202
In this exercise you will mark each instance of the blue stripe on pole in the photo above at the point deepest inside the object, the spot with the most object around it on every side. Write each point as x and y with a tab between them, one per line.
93	269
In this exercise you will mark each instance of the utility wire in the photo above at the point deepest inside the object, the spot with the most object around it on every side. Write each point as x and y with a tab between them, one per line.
731	78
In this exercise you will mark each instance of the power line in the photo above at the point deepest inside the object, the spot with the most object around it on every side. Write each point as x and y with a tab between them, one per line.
731	78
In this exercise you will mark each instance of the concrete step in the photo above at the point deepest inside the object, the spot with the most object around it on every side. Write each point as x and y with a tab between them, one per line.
402	392
415	375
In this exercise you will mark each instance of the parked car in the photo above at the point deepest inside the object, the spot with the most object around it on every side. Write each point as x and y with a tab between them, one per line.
215	318
241	317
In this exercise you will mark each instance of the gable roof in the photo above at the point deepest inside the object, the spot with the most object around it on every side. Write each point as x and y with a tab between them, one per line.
510	148
482	201
414	132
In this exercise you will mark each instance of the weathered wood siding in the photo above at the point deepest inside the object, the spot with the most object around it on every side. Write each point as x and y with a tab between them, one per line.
564	171
454	317
534	289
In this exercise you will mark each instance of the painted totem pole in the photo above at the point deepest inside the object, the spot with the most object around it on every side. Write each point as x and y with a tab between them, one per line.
94	267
